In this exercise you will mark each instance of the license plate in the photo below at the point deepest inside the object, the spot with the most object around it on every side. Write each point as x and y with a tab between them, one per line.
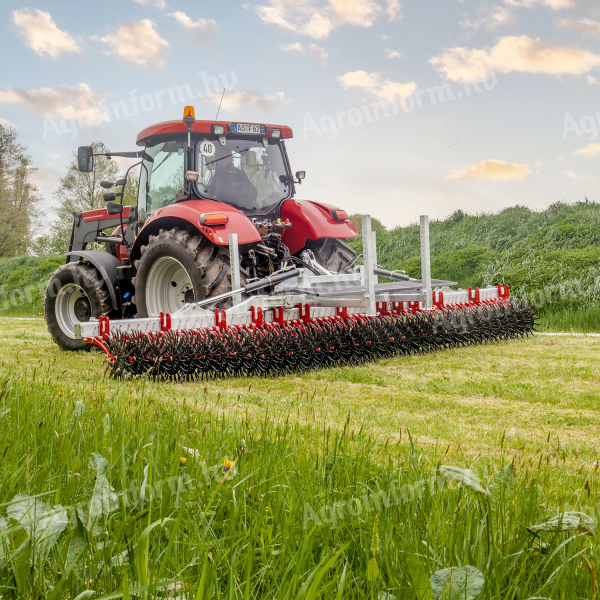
249	129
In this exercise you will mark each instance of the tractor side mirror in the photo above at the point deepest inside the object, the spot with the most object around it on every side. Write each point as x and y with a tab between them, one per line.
114	208
106	185
120	182
85	159
110	197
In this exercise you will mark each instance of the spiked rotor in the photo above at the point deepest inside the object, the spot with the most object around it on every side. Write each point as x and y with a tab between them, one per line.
272	349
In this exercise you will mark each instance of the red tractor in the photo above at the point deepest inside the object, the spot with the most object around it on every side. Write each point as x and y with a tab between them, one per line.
200	181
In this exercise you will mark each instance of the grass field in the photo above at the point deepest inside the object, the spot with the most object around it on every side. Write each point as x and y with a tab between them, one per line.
338	488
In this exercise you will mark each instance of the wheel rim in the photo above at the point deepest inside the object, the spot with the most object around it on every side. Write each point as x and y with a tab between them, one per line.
168	287
72	307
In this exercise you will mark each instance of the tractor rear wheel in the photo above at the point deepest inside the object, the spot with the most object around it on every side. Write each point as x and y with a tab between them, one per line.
333	254
177	267
75	294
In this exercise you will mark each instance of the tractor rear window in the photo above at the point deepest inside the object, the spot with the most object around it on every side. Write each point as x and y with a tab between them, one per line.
243	173
163	178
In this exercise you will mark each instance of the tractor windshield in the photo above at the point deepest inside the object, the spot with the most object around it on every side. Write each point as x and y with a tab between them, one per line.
162	179
243	173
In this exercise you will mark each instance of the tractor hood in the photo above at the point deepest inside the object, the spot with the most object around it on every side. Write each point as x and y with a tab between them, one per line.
312	221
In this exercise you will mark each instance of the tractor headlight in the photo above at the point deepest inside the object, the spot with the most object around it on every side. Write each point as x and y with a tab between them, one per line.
192	175
219	129
276	133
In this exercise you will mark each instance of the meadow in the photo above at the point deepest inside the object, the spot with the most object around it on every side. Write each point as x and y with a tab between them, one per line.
462	475
471	473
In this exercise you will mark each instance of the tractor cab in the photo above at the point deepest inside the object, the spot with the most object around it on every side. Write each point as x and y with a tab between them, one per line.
244	165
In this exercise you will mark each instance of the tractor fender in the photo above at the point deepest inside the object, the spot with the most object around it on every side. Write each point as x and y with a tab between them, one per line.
107	265
312	221
188	213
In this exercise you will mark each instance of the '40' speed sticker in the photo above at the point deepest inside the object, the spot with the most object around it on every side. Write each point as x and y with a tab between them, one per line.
207	149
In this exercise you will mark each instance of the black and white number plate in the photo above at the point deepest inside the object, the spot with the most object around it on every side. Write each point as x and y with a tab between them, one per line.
249	129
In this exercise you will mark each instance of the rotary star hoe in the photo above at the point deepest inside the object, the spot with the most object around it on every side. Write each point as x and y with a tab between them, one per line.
219	271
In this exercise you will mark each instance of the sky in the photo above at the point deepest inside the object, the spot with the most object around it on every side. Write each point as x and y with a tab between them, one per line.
399	107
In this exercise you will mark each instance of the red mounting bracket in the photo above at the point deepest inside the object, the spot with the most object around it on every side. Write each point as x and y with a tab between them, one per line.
342	311
397	307
474	295
382	308
257	315
165	321
414	307
304	314
503	291
278	314
104	324
439	301
220	318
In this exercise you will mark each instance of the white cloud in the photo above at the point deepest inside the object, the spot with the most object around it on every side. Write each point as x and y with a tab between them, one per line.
580	177
41	33
317	18
201	25
490	19
6	122
161	4
247	99
592	81
521	54
356	12
553	4
389	53
376	86
71	102
589	151
318	54
393	10
585	27
299	16
492	169
137	42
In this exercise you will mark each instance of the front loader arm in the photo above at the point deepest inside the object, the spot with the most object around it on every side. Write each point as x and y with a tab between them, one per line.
88	225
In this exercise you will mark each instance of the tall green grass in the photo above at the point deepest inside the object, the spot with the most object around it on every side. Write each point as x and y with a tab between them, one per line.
23	280
550	258
130	497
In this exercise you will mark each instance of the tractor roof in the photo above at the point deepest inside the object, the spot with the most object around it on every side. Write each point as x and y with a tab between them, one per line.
163	131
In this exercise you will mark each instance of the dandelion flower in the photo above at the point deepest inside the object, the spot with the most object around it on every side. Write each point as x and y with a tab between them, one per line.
182	460
227	464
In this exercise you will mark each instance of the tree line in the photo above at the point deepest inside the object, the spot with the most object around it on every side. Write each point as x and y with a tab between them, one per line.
23	224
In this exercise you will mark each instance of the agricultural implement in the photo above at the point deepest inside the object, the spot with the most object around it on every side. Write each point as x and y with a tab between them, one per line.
219	271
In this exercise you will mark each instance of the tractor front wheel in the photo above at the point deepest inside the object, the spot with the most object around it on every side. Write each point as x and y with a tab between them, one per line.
75	294
178	267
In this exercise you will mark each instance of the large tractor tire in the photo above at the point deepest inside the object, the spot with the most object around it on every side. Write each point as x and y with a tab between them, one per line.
177	267
333	254
75	294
